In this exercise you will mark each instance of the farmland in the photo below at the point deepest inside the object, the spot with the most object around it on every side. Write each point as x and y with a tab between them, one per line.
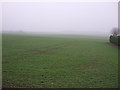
30	61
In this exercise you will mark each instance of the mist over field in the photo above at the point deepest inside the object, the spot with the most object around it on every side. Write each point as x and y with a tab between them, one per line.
82	18
59	45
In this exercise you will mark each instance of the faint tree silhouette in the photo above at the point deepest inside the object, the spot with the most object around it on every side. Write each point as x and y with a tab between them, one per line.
115	31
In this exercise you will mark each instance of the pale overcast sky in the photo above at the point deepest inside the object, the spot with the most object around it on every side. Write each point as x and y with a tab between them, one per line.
63	17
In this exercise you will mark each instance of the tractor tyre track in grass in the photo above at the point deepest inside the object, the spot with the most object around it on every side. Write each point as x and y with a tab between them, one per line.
51	49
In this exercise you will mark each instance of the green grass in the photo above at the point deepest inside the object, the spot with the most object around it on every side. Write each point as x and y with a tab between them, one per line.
58	62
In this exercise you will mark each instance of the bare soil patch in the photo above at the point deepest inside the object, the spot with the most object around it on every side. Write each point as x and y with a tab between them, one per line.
113	45
42	52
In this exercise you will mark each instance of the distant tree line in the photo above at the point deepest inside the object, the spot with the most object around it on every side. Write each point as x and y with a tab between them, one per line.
115	37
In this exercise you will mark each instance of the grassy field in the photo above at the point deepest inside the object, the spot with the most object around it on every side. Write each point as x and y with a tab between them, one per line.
58	62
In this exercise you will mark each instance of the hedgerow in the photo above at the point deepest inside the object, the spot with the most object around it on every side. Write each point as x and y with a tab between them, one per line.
115	40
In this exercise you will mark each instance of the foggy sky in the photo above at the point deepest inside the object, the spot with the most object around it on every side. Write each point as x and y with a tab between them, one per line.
68	18
0	17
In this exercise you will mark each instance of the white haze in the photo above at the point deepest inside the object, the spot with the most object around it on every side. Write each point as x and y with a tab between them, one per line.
84	18
0	17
